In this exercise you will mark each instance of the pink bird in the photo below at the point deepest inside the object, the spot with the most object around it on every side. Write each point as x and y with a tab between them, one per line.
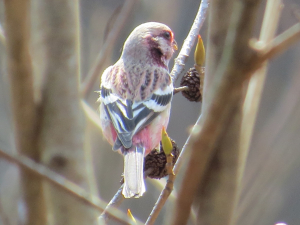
135	96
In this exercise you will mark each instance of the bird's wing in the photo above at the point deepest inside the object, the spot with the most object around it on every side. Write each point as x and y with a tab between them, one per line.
129	117
120	114
146	111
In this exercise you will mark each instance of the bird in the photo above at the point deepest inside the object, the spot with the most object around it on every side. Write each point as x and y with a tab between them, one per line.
135	99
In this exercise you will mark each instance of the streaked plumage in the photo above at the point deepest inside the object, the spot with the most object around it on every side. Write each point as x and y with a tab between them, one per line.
135	95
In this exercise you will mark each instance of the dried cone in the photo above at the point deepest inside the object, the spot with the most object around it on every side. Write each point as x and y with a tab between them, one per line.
155	162
193	81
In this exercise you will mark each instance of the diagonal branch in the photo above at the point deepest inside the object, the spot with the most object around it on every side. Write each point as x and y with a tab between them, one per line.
3	216
114	203
94	72
63	183
278	45
164	195
176	71
2	35
190	40
223	98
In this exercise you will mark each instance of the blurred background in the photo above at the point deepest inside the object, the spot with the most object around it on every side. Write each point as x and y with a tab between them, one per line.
271	183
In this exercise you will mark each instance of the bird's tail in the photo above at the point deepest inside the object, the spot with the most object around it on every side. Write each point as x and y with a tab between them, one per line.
134	185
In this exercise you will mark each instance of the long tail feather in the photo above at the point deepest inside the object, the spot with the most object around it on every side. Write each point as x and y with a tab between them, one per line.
134	185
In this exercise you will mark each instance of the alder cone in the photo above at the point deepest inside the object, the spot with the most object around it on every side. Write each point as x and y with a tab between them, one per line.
192	80
155	162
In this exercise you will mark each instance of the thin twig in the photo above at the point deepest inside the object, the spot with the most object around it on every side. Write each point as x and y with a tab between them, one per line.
2	35
180	89
94	72
164	194
63	183
280	43
255	87
3	216
114	203
190	40
177	69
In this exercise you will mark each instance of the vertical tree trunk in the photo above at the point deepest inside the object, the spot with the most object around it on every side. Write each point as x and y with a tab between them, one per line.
62	119
24	109
218	191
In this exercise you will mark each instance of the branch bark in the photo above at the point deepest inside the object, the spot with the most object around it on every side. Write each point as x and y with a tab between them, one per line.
164	195
24	108
2	35
114	203
222	103
61	139
189	41
62	183
255	87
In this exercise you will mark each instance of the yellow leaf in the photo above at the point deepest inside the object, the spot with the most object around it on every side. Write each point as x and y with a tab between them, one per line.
166	142
131	216
199	55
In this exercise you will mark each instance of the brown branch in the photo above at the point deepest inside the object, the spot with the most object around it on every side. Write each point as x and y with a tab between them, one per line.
24	109
176	71
255	87
3	216
114	203
164	195
180	89
277	45
64	184
189	41
223	101
2	35
105	51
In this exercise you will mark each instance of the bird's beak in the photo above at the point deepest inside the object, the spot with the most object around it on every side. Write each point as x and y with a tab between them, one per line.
174	45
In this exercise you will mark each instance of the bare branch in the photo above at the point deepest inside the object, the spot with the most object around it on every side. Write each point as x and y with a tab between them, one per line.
61	119
180	89
110	41
2	35
24	108
164	195
176	71
190	40
114	203
5	219
279	44
226	98
256	84
64	184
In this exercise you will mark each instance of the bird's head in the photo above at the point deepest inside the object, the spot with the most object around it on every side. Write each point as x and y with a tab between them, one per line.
151	42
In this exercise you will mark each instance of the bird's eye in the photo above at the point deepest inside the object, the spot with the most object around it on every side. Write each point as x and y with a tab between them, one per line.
167	35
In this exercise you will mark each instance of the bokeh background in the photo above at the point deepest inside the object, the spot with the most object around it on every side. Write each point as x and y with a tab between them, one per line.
271	183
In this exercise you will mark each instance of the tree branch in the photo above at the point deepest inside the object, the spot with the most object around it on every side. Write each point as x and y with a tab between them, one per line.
2	35
64	184
3	216
164	195
23	105
61	118
114	203
189	41
223	101
176	71
256	84
276	46
180	89
110	41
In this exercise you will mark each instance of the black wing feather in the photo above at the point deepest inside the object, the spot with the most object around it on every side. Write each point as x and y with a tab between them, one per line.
122	115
